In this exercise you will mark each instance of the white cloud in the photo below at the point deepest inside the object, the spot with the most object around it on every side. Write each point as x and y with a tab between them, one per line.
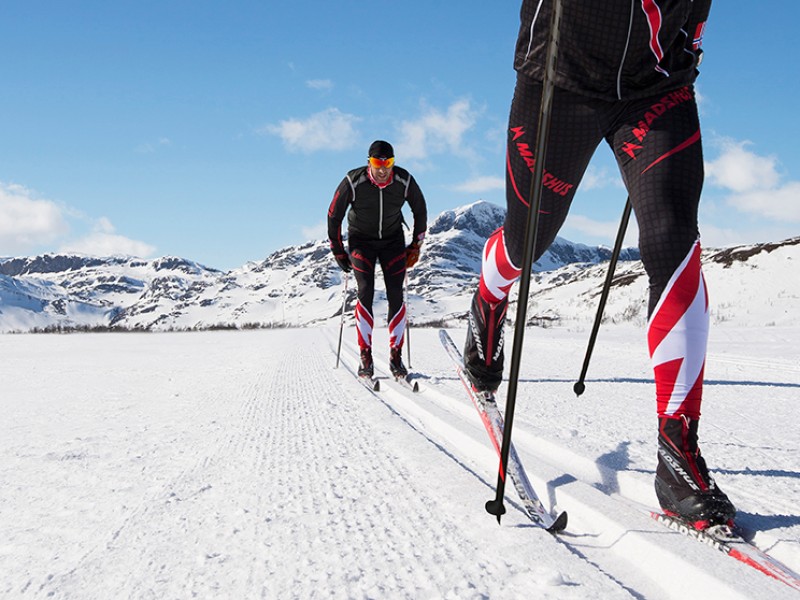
330	129
740	170
104	241
104	225
437	131
700	98
714	236
481	184
150	147
320	84
755	183
596	178
316	232
781	203
604	230
26	222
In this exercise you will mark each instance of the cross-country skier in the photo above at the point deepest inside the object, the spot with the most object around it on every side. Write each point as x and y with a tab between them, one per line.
624	75
375	195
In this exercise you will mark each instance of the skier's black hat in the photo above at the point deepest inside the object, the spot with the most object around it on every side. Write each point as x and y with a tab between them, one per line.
381	149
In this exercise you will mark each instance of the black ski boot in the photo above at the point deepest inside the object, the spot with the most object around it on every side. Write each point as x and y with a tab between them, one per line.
683	485
396	365
366	368
483	350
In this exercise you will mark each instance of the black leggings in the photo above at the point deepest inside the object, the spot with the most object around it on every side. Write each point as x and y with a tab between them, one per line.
656	142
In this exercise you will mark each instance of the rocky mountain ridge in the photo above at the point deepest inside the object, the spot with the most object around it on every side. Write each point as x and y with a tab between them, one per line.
302	286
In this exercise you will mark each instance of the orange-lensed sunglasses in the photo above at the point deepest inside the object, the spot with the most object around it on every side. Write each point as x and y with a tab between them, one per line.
377	163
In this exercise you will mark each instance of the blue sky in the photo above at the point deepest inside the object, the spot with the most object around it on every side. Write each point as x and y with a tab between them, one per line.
218	131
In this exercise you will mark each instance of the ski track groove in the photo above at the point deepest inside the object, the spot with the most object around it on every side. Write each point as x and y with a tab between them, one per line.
343	494
339	496
526	444
768	364
417	411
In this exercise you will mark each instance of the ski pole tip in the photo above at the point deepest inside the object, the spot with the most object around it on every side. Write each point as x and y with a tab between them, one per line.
496	507
579	388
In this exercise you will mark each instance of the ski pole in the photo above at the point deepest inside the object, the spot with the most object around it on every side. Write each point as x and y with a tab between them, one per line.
341	321
496	506
408	320
579	386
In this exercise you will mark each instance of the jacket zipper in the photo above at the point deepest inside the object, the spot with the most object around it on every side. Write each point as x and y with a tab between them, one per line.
380	213
624	55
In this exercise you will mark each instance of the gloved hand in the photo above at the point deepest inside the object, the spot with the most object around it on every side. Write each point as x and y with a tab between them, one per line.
412	255
343	260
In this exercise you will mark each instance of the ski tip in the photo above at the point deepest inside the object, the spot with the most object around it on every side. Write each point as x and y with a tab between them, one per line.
415	387
560	524
376	386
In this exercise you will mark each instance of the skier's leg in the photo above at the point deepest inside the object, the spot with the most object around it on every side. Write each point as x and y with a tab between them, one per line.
659	150
363	256
574	136
393	264
662	164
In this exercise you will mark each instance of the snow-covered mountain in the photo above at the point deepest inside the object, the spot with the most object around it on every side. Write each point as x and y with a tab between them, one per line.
302	286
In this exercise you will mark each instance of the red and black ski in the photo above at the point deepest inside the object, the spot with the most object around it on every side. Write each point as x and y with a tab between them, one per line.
493	422
728	541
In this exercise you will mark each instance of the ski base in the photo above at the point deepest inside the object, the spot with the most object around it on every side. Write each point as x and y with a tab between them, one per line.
726	540
486	406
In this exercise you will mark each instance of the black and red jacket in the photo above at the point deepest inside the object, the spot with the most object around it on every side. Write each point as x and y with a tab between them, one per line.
375	212
615	49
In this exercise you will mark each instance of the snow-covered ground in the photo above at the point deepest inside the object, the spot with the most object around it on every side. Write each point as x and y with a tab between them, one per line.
243	465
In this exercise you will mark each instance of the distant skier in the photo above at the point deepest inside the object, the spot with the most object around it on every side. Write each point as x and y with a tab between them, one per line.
375	195
624	74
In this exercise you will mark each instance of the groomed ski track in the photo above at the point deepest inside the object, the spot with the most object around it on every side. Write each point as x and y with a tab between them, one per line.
247	466
610	528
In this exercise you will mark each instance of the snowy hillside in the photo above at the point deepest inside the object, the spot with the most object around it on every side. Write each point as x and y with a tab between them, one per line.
302	286
242	465
749	286
88	291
